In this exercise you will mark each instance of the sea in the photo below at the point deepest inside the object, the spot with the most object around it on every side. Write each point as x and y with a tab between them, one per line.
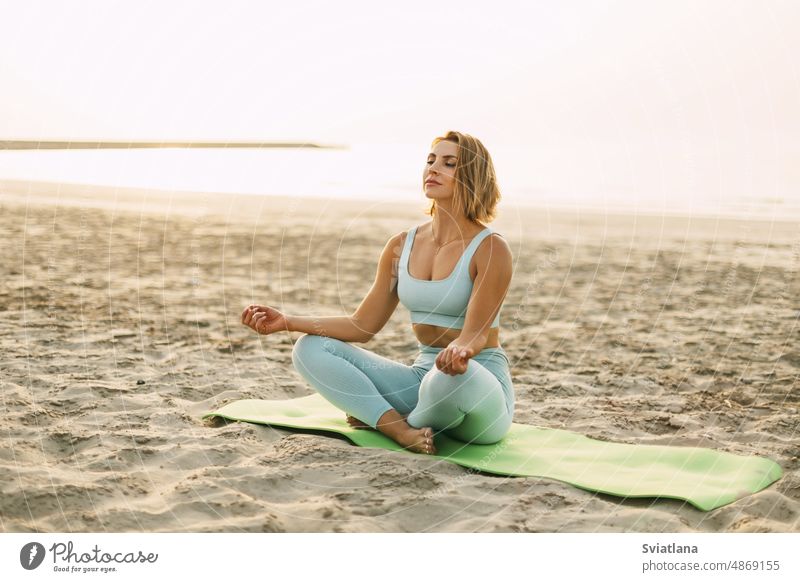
367	172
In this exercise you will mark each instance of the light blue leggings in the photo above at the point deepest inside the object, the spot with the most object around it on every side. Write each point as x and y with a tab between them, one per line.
475	407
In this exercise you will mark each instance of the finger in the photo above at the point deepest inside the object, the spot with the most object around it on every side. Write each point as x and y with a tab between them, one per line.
446	368
459	361
454	359
456	367
441	361
450	360
454	363
258	322
252	310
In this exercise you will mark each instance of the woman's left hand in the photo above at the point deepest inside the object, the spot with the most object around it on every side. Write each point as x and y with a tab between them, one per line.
454	359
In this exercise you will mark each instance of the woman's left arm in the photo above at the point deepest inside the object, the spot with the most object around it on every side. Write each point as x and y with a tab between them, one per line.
495	265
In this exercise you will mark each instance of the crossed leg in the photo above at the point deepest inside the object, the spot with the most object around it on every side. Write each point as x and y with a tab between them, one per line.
369	387
470	407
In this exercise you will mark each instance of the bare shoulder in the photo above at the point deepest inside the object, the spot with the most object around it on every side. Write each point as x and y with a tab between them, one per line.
495	248
393	247
493	254
397	240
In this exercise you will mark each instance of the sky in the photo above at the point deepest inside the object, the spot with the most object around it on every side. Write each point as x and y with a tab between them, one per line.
674	95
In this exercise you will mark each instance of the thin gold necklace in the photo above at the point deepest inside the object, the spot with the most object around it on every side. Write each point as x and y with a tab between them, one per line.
440	247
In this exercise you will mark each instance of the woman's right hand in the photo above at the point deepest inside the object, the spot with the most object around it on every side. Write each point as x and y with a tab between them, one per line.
264	319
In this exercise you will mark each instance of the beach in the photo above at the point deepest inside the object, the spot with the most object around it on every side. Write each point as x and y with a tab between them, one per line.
120	326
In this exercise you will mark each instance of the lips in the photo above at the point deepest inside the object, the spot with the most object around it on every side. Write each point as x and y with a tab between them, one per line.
434	182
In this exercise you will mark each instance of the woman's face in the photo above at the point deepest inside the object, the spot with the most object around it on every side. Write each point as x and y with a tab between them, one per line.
438	179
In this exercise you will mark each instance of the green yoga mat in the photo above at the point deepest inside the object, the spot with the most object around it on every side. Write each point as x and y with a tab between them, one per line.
704	477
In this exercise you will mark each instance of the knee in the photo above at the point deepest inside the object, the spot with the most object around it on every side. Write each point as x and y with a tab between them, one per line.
437	386
306	345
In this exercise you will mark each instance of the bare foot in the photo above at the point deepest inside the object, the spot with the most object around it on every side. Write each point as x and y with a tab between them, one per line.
418	440
355	423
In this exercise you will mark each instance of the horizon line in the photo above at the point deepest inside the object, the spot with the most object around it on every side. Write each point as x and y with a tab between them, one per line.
105	144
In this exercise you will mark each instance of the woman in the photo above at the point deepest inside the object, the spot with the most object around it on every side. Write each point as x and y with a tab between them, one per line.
453	276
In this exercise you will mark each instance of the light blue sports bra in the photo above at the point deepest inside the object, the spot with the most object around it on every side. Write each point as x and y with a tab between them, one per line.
441	302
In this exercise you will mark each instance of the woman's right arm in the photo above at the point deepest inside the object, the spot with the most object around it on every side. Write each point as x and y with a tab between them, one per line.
370	316
336	326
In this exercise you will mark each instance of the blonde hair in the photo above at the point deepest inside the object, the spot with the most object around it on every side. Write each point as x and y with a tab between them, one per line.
476	193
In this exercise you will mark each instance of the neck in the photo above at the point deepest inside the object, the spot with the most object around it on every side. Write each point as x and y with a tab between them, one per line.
448	226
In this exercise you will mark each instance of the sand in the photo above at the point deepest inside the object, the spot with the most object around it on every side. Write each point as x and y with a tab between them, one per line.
120	325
